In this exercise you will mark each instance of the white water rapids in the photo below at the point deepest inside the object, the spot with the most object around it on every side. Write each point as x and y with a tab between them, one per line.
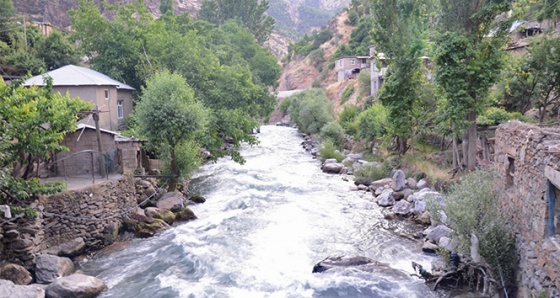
263	227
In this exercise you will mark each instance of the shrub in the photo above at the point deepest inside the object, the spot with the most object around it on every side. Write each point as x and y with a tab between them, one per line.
347	119
495	116
364	81
334	132
311	110
369	173
328	150
372	123
347	93
284	105
470	208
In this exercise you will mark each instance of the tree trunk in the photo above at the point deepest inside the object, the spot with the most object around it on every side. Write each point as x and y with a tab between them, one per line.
456	161
174	171
465	149
401	145
473	142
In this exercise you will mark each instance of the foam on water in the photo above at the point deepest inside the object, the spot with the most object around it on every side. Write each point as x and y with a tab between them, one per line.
263	227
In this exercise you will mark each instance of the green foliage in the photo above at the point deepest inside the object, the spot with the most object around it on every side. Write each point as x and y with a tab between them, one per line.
56	51
38	120
311	110
470	208
285	105
250	13
372	122
170	118
28	212
364	83
495	116
310	43
327	150
334	132
360	40
347	93
370	173
316	56
348	119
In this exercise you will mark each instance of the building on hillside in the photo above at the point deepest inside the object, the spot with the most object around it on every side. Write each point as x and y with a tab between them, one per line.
44	28
527	159
121	154
349	67
113	98
378	70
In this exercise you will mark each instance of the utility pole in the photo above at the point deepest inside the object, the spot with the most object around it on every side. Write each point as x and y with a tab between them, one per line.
99	147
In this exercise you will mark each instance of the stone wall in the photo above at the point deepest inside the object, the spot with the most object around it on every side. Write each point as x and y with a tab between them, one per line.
527	159
90	204
79	214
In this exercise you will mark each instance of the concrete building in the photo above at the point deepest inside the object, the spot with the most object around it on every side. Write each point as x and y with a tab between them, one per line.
113	98
349	67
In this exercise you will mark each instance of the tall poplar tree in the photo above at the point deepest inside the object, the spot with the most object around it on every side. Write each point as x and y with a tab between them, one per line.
468	58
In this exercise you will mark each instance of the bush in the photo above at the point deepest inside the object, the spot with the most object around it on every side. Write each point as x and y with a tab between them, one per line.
347	119
284	105
334	132
364	81
316	56
369	173
372	123
328	150
495	116
311	110
470	208
347	93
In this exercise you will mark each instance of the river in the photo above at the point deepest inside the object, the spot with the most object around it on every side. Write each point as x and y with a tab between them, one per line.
263	227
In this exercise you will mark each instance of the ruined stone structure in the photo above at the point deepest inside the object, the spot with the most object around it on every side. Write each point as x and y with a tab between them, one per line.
528	162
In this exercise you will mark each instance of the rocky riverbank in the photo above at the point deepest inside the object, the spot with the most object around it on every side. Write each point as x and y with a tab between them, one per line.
38	254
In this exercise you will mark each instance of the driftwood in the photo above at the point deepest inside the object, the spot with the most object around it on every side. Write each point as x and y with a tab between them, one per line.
477	276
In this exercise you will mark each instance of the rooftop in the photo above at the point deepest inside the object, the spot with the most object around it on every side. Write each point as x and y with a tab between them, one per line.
72	75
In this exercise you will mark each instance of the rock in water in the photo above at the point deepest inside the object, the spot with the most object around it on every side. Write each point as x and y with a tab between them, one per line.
8	289
15	273
350	265
172	201
71	248
49	267
76	285
386	198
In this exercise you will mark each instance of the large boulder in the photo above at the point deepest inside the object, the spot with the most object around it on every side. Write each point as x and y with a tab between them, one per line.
382	182
399	181
197	199
422	183
345	265
15	273
167	216
144	226
402	207
436	233
9	290
172	201
421	198
70	248
48	268
76	285
333	168
386	199
185	215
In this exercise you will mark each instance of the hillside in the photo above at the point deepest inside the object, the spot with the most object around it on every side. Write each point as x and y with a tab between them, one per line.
293	17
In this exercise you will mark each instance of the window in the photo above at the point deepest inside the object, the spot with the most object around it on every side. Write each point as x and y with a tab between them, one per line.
510	172
120	109
352	61
106	94
553	209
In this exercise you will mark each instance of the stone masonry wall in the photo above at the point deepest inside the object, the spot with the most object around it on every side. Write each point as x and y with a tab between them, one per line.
90	204
523	154
20	240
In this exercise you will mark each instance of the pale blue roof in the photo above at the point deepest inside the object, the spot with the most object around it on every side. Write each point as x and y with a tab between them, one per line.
72	75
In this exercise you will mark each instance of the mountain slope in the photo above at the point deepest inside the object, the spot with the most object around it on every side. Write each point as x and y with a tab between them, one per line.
293	17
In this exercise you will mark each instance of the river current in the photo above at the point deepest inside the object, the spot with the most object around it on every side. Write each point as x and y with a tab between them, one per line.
263	227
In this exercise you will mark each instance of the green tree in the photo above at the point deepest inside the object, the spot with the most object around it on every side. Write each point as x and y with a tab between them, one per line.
56	51
543	64
169	117
33	121
311	110
468	63
397	32
165	6
249	13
